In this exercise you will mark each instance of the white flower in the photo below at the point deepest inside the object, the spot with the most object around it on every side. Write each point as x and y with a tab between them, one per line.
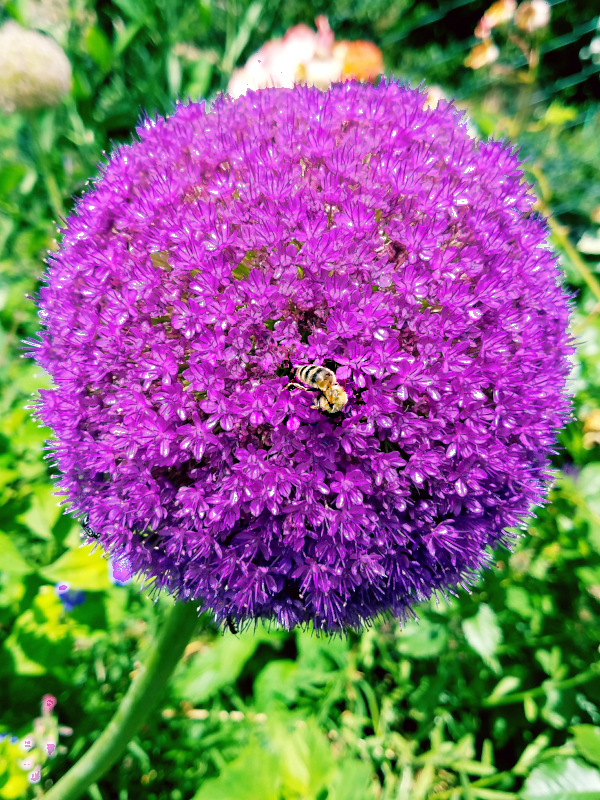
532	15
34	70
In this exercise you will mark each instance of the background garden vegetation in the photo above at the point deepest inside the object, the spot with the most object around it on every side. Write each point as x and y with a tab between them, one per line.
494	696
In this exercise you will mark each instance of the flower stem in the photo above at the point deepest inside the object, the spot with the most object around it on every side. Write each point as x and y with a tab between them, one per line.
41	158
561	234
135	706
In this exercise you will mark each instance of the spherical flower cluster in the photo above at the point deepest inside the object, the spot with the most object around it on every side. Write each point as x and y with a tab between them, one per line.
355	230
34	70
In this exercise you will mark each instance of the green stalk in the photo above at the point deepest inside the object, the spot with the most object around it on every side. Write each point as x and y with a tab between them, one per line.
141	697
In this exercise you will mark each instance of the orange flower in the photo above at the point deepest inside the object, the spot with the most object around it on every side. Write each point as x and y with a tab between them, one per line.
361	60
482	54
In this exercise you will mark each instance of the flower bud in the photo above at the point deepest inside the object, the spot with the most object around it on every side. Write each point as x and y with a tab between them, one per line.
34	70
482	54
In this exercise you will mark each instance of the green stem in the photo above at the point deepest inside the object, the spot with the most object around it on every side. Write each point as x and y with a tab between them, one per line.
142	696
519	697
54	195
560	233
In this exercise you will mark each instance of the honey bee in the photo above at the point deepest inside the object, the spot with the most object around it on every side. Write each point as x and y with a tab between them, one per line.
314	377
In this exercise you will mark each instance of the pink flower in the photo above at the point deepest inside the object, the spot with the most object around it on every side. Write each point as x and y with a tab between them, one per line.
48	703
498	13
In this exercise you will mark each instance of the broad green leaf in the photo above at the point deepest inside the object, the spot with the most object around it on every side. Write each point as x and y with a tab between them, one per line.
220	666
562	779
304	755
587	741
43	511
321	653
254	775
276	683
424	639
82	568
201	74
484	634
13	779
351	780
588	481
11	176
42	637
11	560
98	48
517	599
589	575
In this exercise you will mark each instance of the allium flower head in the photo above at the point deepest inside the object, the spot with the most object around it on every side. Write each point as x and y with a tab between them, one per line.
352	229
34	70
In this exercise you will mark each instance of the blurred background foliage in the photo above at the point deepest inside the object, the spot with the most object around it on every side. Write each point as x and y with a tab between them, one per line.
496	696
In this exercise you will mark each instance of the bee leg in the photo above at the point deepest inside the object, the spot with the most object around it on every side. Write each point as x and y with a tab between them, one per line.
298	386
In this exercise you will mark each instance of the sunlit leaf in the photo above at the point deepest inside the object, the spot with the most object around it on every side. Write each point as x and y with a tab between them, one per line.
562	779
82	568
484	634
424	639
587	741
254	774
11	560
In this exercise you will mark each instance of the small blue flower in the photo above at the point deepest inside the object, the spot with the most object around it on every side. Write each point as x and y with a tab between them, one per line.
70	598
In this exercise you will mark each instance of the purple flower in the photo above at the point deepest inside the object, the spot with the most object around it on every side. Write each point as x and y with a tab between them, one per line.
351	229
120	571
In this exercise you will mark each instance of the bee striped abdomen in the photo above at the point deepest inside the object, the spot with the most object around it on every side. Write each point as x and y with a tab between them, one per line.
312	375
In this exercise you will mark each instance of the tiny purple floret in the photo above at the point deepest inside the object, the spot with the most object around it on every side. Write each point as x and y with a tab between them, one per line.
352	229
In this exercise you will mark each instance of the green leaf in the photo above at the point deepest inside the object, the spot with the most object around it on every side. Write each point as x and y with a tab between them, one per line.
43	511
505	686
587	741
517	599
254	774
199	84
42	637
218	667
11	560
588	481
276	683
423	640
304	755
11	176
173	74
562	779
82	568
98	48
484	634
531	754
351	780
